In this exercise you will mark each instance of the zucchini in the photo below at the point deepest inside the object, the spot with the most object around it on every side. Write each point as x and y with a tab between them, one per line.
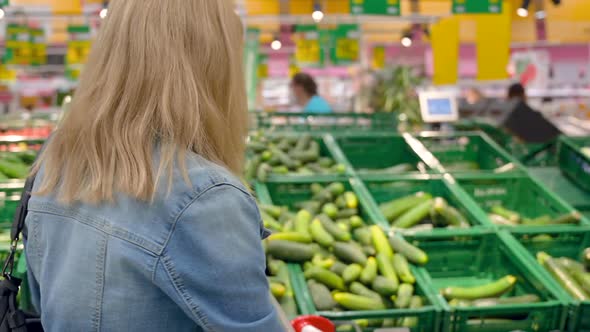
363	236
291	236
411	252
493	289
352	273
349	253
522	299
287	301
384	286
369	272
302	220
332	228
415	303
360	289
321	296
404	296
358	302
402	268
414	216
351	200
583	279
396	208
560	274
380	241
385	266
450	215
512	216
320	235
326	277
290	251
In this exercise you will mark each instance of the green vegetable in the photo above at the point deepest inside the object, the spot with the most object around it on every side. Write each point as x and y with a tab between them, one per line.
263	170
291	236
402	268
270	222
415	303
14	170
412	253
318	260
560	274
369	250
280	170
404	296
360	289
326	277
302	220
527	298
385	266
363	236
380	241
493	289
278	290
357	302
351	200
290	251
512	216
586	258
414	216
384	286
450	215
396	208
320	235
369	271
287	301
332	228
321	296
570	218
284	158
330	209
303	143
583	279
316	188
311	207
338	267
325	162
352	273
347	213
349	253
356	222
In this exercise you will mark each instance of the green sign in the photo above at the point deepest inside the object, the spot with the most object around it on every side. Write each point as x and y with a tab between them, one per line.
18	45
375	7
477	6
311	45
346	44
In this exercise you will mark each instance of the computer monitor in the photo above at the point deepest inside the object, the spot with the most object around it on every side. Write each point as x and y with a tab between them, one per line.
439	106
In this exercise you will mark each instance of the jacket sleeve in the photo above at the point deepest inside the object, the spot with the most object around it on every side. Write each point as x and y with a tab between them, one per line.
213	266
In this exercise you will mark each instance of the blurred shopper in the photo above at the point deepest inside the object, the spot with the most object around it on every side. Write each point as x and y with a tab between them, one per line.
139	221
305	91
524	122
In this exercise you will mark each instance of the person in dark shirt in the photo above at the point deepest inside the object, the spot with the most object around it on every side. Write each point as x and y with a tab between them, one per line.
524	122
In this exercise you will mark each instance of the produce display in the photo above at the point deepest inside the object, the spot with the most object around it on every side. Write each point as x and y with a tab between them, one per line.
348	265
16	165
486	295
505	217
572	275
422	210
281	288
287	155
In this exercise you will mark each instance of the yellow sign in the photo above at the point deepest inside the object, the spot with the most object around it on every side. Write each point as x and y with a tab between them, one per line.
378	57
493	44
6	74
445	51
78	52
308	51
347	49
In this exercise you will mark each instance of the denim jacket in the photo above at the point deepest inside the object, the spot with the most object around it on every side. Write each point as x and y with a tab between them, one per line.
190	261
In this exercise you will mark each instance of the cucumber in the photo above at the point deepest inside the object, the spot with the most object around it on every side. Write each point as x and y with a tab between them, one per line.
402	268
493	289
274	265
369	271
570	218
338	267
266	155
251	167
277	290
570	265
363	236
385	267
499	220
280	170
411	252
272	210
414	216
339	169
340	202
305	156
380	241
284	158
384	286
287	302
310	206
560	274
256	146
508	214
360	289
321	296
325	162
522	299
349	253
356	222
318	260
14	170
449	214
302	221
303	143
316	188
343	225
3	177
336	188
460	303
262	173
358	302
404	296
352	201
396	208
332	228
415	303
284	144
330	209
347	213
543	220
583	279
326	277
323	196
320	235
291	236
369	250
352	273
270	222
290	251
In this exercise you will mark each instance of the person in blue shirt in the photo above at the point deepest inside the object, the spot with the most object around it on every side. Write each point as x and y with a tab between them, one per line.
305	90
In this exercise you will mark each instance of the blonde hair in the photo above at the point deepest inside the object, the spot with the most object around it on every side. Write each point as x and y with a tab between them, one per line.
164	74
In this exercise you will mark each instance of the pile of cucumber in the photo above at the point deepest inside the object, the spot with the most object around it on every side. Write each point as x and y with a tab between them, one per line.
572	275
281	288
422	211
488	295
347	264
286	155
499	215
16	165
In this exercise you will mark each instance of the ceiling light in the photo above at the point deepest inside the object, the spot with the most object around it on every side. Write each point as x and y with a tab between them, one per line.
276	44
318	14
103	13
522	12
2	13
406	41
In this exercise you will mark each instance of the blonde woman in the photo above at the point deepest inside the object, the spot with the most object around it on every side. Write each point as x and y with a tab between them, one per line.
138	220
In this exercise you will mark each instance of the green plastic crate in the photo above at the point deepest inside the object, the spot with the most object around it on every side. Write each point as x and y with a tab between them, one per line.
477	259
427	316
477	148
332	122
573	162
565	244
384	189
566	189
518	193
378	151
10	193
